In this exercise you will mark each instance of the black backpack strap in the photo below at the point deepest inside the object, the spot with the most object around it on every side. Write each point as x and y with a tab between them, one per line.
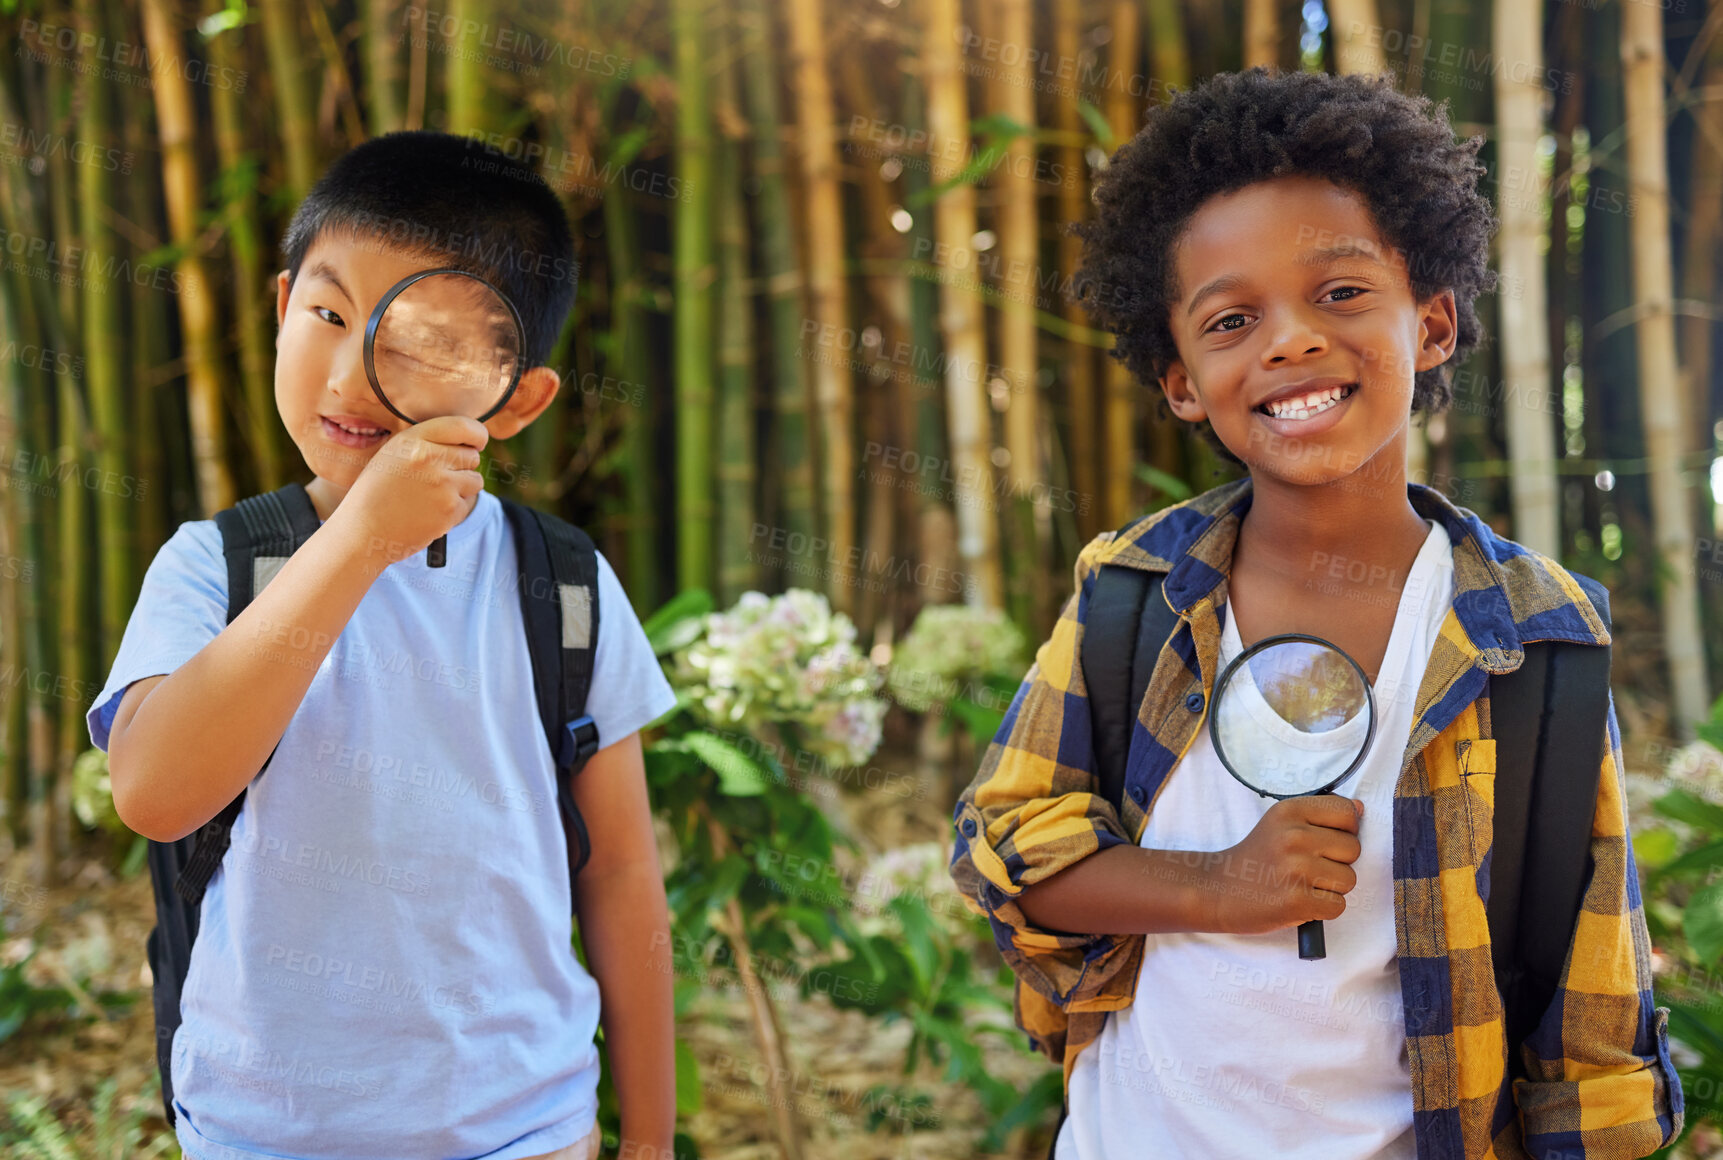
258	534
1546	718
1127	624
559	604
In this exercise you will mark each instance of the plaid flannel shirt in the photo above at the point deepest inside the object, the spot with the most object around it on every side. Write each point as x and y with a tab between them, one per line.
1598	1078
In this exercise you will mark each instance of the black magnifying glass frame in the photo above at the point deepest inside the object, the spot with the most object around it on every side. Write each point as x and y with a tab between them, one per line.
436	555
1311	943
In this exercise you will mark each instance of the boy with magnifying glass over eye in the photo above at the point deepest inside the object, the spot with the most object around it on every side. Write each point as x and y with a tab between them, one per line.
384	965
1292	260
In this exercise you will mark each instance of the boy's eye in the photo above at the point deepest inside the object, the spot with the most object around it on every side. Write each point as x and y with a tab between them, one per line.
327	315
1351	291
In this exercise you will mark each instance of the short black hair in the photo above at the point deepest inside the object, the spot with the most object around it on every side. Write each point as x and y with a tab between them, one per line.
1396	151
458	202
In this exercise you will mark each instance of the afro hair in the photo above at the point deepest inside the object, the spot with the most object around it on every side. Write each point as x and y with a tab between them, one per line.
1396	151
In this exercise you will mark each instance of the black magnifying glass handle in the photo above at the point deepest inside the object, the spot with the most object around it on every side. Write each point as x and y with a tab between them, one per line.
1311	944
437	554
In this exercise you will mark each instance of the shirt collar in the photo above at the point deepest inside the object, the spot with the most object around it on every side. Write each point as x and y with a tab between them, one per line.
1505	595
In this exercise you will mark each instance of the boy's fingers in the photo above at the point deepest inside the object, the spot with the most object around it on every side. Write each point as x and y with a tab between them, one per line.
1337	813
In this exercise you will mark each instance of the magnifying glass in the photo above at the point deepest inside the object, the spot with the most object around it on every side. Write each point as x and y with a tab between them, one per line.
444	342
1293	715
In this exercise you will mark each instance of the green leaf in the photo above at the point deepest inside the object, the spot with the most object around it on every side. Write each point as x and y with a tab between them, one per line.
1702	922
1098	125
738	774
688	1095
983	723
1703	859
1696	812
1164	482
667	627
1655	846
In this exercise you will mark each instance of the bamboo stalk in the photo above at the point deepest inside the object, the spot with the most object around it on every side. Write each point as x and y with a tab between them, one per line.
464	73
253	308
628	326
968	414
1019	252
882	248
287	56
827	296
922	394
1119	408
1078	366
1699	274
735	412
782	275
1517	29
1665	412
383	66
1261	33
199	319
694	274
1355	50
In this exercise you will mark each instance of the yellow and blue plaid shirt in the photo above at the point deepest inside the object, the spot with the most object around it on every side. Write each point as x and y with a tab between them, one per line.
1598	1078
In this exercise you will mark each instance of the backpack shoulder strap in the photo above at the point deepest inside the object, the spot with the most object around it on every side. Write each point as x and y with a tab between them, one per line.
559	605
1126	625
258	534
1546	718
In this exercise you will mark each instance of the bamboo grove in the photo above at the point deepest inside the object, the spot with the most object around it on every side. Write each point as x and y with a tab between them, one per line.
822	337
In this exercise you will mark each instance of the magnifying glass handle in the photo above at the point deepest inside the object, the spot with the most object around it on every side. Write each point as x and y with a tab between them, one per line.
437	554
1311	944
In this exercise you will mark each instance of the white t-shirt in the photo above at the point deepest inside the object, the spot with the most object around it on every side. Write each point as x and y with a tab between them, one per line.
1233	1045
384	965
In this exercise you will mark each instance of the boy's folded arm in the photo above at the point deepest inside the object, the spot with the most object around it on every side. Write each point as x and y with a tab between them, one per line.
1600	1082
198	735
1028	816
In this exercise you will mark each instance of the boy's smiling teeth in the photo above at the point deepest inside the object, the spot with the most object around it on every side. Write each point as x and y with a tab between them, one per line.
1305	406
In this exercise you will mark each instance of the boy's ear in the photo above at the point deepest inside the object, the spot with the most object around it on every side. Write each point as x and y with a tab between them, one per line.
1182	394
283	287
1438	330
534	392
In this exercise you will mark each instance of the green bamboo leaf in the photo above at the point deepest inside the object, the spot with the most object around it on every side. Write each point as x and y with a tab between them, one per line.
738	774
1702	922
1162	481
1696	812
1097	125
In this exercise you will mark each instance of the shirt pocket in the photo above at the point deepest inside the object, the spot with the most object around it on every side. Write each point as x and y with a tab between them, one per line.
1476	757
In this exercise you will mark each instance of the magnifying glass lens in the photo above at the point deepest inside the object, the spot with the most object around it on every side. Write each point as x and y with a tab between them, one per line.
443	342
1293	715
446	345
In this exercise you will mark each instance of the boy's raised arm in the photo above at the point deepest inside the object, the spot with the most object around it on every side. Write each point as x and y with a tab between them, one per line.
1600	1083
203	731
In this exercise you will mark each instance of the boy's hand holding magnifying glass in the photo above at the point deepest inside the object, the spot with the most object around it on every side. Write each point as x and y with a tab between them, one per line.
443	351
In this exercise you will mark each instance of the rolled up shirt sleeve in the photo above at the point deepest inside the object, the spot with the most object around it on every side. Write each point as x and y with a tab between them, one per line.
1032	811
1599	1081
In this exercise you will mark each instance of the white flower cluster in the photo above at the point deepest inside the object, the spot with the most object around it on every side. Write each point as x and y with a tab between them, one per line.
786	659
948	646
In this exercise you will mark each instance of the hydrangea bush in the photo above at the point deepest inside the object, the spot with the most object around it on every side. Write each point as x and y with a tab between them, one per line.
949	646
785	660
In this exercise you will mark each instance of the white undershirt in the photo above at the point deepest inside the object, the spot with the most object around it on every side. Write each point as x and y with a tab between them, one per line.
1233	1045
